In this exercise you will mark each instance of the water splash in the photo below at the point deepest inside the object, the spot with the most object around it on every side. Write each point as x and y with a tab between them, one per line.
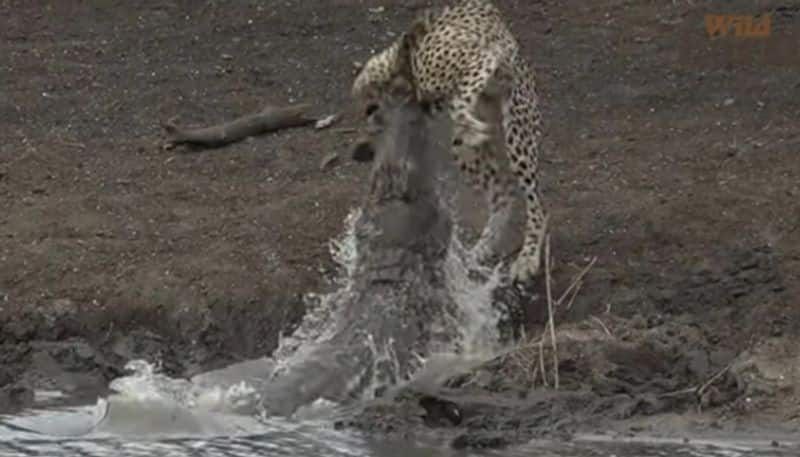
409	296
320	321
461	334
478	320
146	383
464	334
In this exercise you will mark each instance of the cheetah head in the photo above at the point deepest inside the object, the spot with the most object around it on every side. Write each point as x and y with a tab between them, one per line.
385	81
389	71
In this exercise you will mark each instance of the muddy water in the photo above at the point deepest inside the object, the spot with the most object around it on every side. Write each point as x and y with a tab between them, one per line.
124	435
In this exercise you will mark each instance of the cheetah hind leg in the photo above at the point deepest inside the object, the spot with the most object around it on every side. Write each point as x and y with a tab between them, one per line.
522	128
528	263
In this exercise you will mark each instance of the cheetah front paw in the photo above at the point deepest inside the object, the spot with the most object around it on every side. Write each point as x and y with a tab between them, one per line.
475	139
475	135
525	268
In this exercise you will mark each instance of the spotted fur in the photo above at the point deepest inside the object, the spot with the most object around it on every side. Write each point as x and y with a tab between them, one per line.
460	60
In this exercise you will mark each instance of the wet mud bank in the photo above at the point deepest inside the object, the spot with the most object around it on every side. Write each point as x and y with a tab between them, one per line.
616	377
719	357
74	353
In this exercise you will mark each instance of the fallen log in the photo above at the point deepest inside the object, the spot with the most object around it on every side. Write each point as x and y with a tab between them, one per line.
269	119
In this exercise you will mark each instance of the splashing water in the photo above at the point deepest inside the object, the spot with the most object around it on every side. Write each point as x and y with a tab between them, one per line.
463	335
466	333
319	322
477	320
148	384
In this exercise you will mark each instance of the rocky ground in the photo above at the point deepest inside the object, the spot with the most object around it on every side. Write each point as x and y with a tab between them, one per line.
671	158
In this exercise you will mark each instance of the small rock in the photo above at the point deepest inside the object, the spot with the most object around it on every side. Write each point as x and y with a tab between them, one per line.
728	101
226	57
326	121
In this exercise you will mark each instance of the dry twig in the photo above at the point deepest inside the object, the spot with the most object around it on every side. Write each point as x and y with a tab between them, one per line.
712	379
541	362
603	325
576	283
698	390
550	319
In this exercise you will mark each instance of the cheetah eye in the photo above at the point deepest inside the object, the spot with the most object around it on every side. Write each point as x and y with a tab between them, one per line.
371	108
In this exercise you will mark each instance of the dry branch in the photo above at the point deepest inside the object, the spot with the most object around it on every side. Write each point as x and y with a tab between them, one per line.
269	119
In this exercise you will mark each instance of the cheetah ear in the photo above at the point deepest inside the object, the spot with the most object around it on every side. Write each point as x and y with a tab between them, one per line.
418	29
401	83
413	36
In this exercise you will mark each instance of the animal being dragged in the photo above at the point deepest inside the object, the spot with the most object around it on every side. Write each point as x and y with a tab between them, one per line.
397	307
464	61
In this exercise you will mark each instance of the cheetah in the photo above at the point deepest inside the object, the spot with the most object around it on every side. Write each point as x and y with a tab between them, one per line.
457	59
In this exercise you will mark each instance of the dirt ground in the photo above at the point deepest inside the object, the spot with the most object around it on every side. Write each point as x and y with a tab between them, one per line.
671	157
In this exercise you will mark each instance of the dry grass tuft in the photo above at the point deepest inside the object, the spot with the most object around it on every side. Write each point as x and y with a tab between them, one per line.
528	358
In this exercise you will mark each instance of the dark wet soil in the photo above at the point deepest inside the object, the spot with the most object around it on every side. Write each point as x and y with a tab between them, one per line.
670	157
